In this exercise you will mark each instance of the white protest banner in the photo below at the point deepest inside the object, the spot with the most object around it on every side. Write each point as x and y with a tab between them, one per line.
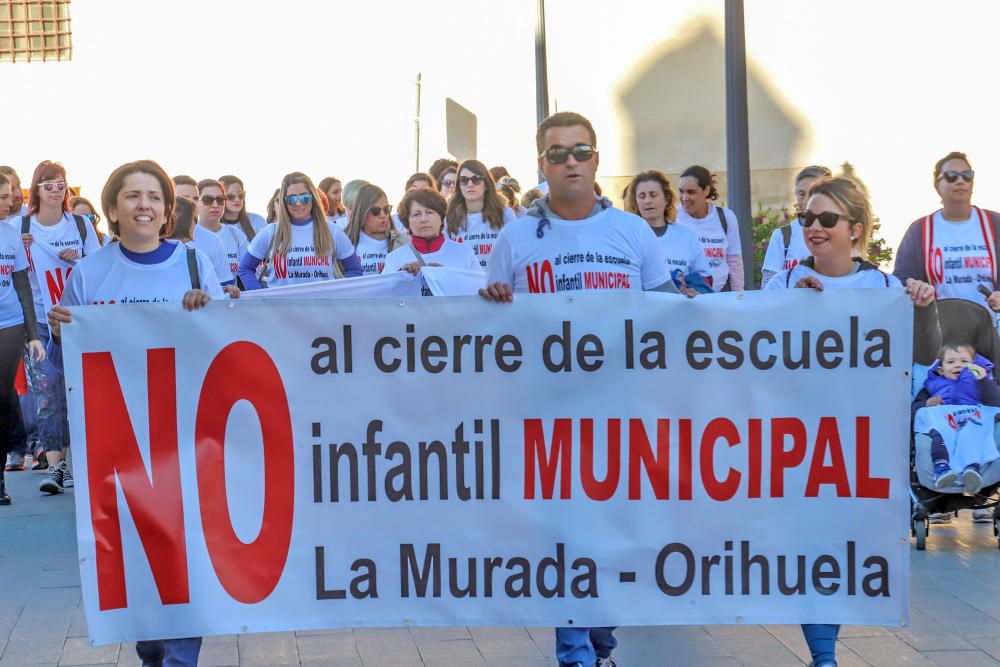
51	270
446	281
585	458
361	287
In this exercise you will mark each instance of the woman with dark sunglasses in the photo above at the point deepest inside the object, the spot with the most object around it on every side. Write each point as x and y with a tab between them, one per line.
224	247
302	246
476	214
955	249
371	229
837	222
236	214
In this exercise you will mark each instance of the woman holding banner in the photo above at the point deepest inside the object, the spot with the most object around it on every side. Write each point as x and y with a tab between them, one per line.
371	230
54	238
303	246
837	222
17	324
422	212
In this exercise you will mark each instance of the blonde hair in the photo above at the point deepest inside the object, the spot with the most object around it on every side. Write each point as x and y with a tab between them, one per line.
322	238
365	198
849	197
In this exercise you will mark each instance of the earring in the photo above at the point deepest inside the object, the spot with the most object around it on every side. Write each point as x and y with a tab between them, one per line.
854	238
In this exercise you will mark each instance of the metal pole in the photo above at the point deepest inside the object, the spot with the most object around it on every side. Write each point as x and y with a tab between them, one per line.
416	123
738	133
541	71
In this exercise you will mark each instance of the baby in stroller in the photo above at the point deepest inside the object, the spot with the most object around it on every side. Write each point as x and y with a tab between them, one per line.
962	402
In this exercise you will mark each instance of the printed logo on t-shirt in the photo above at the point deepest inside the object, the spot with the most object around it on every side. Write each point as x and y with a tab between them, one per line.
559	276
6	268
302	265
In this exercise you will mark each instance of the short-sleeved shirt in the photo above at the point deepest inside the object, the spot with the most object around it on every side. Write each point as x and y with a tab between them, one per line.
300	264
12	258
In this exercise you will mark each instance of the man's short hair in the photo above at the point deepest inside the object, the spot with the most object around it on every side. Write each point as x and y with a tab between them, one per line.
563	119
184	179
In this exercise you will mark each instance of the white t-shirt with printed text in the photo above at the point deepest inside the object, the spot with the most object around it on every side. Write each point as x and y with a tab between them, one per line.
61	236
858	279
372	253
683	251
12	258
479	235
207	242
109	277
777	258
300	265
610	250
961	259
718	243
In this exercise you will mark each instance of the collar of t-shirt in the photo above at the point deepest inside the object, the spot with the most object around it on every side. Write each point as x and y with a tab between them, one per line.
160	254
426	246
660	231
303	223
859	264
542	209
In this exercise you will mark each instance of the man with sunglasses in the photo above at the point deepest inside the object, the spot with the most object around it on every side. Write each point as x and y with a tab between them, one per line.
608	249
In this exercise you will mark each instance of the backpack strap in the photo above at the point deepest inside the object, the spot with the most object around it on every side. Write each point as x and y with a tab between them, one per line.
25	224
722	219
990	236
192	261
786	236
927	236
81	226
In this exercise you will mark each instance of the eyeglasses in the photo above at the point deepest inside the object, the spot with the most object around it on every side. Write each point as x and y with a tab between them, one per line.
58	186
377	211
475	179
828	219
559	154
90	216
236	196
951	176
295	200
207	200
448	183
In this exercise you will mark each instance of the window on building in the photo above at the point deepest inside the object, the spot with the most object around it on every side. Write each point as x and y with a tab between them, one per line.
34	30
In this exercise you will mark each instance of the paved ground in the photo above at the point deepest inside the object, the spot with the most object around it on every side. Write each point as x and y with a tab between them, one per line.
955	591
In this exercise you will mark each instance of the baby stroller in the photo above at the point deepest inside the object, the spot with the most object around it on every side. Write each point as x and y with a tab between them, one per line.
965	322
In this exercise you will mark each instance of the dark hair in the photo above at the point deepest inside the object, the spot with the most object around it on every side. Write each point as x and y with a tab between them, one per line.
3	179
76	201
184	217
705	178
43	172
563	119
420	176
498	172
324	187
531	196
651	176
184	179
954	155
492	206
243	217
440	168
426	197
211	183
109	195
812	171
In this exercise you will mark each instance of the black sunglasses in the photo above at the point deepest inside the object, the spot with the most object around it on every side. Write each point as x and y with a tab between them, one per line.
208	199
559	154
951	176
377	210
475	179
828	219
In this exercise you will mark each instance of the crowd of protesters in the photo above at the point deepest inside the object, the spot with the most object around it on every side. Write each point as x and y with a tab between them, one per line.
192	240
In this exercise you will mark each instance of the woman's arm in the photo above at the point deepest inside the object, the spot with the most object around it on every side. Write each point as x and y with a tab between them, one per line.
248	271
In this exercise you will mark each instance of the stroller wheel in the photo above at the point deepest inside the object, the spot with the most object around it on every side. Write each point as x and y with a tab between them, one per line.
920	533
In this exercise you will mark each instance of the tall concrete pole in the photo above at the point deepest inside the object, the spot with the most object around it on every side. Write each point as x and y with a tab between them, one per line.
738	133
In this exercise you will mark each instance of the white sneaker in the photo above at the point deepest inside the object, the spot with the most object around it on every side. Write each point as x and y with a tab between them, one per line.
972	481
939	518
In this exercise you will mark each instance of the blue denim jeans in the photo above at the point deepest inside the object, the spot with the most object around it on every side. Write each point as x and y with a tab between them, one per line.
46	382
169	652
584	645
822	641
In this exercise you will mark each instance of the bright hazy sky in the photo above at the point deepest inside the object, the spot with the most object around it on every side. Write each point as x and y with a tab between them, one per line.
258	89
